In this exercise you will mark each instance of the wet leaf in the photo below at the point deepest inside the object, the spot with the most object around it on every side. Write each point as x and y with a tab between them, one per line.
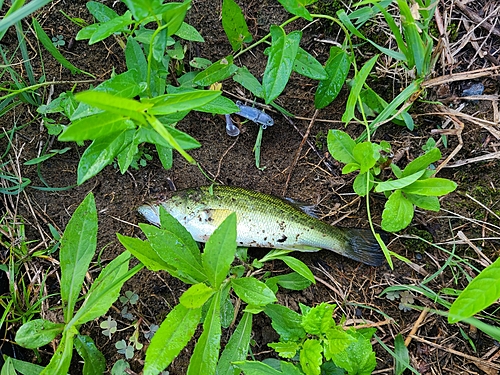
248	81
298	7
306	65
398	212
286	322
37	333
196	296
433	187
253	291
337	68
93	360
311	357
234	24
341	146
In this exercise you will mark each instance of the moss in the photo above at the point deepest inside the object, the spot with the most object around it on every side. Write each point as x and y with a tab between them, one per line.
320	141
418	246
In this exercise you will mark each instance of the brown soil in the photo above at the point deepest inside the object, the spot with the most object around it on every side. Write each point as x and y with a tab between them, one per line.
316	178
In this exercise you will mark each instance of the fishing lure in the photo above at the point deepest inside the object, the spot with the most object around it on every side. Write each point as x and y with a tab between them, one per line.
255	115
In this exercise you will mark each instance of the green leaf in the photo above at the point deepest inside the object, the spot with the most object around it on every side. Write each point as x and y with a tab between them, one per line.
96	126
237	347
422	162
147	134
285	349
206	350
359	357
366	154
93	361
291	281
253	291
286	322
115	104
37	333
341	146
188	32
256	368
101	12
306	65
360	186
402	358
338	341
49	46
61	359
174	14
22	367
311	357
107	29
399	183
248	81
398	212
173	250
219	251
433	187
78	245
280	61
143	251
359	81
140	8
319	319
298	7
135	59
481	292
105	290
172	224
350	167
218	71
185	101
17	11
337	68
234	24
298	266
424	202
196	296
172	336
99	154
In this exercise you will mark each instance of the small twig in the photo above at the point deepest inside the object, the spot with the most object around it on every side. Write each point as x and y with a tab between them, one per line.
473	74
416	325
299	150
477	18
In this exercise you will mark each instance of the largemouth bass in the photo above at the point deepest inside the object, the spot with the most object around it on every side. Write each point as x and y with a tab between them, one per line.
263	221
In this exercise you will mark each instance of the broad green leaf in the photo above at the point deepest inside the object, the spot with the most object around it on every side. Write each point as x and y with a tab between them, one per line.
143	251
481	292
398	212
311	357
416	48
424	201
174	14
402	359
298	266
49	46
172	224
159	44
338	341
359	81
188	32
256	368
196	296
337	68
285	349
220	105
298	7
206	350
115	104
172	336
37	333
126	156
399	183
291	281
110	27
140	8
184	140
366	154
253	291
173	103
359	357
93	360
100	11
422	162
218	71
360	184
237	347
23	367
135	59
280	61
350	167
172	249
105	290
99	154
219	251
61	359
248	81
306	65
96	126
341	146
166	156
433	187
78	245
319	319
286	322
234	24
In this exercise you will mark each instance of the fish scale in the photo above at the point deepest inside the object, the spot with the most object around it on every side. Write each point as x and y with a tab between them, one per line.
263	221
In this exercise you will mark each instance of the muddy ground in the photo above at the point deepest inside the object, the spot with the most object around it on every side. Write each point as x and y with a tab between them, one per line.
438	348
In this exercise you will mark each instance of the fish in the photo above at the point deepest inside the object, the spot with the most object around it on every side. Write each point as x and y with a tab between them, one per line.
264	221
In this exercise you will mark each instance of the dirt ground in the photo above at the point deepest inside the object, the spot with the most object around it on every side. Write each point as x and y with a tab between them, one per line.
436	348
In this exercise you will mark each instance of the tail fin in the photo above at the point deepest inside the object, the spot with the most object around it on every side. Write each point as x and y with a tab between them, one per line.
363	247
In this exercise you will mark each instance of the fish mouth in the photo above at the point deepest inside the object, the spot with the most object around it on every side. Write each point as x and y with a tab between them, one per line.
150	212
